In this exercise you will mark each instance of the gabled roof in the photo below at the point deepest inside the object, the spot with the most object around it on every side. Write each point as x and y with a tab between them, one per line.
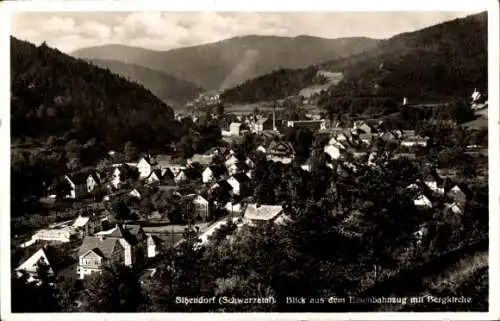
262	212
78	178
280	148
191	173
126	232
202	159
43	254
103	246
241	177
216	170
223	185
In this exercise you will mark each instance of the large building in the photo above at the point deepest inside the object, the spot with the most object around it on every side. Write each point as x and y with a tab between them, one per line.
125	244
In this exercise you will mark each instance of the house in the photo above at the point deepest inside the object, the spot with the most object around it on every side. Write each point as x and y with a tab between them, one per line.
201	208
153	243
146	165
231	160
257	213
363	127
125	244
221	191
280	152
333	149
88	225
203	160
389	137
260	125
234	129
93	181
411	141
30	265
120	173
188	174
434	182
261	149
419	199
458	194
212	172
63	235
314	125
78	185
135	193
233	209
155	176
240	184
366	138
167	174
455	207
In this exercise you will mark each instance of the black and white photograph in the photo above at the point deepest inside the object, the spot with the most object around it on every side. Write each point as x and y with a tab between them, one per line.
249	161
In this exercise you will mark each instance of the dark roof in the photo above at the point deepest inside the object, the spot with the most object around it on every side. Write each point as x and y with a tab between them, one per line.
127	232
103	246
192	173
224	186
280	148
241	177
79	178
217	170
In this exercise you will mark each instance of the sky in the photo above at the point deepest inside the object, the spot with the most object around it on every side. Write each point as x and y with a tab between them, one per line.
69	31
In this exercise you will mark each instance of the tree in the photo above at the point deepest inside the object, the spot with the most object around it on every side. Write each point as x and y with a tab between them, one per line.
116	289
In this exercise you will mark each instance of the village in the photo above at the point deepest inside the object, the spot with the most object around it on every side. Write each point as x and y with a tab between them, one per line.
207	191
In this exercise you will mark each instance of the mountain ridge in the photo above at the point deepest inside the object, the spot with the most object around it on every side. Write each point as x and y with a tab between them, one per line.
228	62
171	90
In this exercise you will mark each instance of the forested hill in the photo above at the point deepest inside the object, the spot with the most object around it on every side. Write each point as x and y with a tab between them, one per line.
448	59
171	90
226	63
55	94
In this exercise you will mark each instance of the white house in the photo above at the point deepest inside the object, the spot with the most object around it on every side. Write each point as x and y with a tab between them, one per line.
211	173
155	176
93	181
455	207
256	213
153	244
234	129
116	177
261	149
135	193
78	185
201	205
334	151
30	266
145	167
239	182
63	235
419	199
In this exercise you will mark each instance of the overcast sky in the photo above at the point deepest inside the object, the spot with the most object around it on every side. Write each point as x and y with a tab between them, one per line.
163	31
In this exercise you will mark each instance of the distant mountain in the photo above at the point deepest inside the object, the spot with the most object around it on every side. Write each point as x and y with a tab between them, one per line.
229	62
446	60
173	91
55	94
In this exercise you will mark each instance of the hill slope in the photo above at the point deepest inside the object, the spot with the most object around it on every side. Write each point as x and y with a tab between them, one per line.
448	59
229	62
55	94
172	91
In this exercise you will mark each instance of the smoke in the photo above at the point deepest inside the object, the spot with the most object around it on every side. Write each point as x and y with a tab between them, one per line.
239	73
